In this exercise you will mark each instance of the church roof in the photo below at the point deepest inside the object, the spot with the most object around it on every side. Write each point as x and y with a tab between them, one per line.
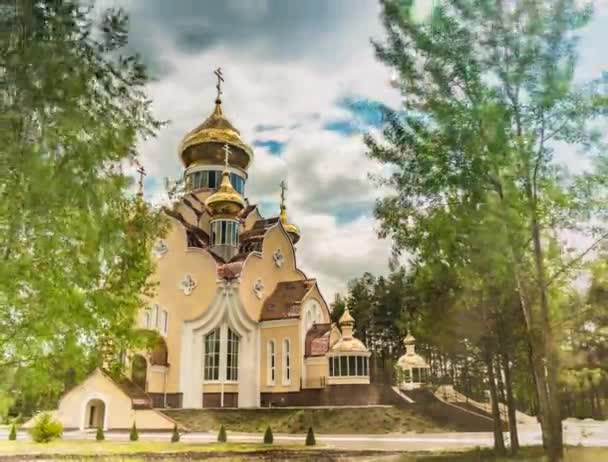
286	300
317	340
259	228
139	398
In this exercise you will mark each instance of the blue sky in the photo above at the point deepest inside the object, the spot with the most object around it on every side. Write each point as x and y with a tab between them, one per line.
301	85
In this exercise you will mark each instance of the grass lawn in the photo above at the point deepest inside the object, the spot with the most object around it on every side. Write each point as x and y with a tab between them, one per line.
334	421
529	454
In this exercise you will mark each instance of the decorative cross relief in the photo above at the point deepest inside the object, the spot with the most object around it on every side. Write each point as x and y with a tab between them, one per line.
188	284
278	258
160	248
258	288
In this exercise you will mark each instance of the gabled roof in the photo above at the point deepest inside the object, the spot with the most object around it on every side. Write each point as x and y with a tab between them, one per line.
286	300
317	340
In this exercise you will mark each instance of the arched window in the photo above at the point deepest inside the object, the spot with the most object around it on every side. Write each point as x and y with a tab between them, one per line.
271	362
232	356
286	361
139	371
212	355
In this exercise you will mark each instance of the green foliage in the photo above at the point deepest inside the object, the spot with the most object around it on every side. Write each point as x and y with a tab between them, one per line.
310	437
221	436
46	428
175	434
75	243
99	435
133	434
480	197
12	436
268	438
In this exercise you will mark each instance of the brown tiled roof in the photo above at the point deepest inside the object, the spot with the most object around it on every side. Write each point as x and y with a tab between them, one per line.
285	301
139	398
259	228
195	235
317	340
246	211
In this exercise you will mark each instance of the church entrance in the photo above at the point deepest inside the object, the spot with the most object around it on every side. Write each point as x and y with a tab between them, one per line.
95	414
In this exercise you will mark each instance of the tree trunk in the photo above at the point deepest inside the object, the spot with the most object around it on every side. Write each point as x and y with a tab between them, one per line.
510	404
499	442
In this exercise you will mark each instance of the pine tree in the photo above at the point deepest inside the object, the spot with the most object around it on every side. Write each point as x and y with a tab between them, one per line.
310	437
268	437
221	436
133	434
12	436
175	435
99	436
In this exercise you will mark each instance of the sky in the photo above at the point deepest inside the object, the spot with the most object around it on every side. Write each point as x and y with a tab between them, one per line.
302	85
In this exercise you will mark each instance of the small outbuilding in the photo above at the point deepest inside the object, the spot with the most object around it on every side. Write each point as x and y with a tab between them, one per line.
412	371
102	401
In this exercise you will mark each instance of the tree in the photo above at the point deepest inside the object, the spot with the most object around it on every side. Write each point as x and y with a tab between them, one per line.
488	91
12	436
74	242
221	436
310	437
133	434
175	434
268	438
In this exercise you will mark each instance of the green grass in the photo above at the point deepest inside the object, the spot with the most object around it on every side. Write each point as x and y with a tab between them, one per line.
90	447
529	454
328	421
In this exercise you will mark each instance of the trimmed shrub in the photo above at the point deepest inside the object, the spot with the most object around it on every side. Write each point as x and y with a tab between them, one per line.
12	436
175	435
133	435
99	436
310	437
221	436
268	438
46	429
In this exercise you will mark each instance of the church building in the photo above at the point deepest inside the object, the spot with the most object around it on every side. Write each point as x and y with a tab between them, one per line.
241	325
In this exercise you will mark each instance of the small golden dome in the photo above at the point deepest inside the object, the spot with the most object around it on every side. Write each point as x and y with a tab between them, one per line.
292	230
409	339
346	318
204	144
226	201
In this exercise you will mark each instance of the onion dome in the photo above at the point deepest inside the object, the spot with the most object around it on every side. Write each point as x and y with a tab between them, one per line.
226	202
292	230
204	145
409	339
347	342
411	359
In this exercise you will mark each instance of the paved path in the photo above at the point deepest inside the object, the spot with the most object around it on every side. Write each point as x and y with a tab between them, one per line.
586	433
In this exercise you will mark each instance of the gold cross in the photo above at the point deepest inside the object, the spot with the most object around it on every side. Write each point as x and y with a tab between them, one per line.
226	155
283	189
220	79
142	174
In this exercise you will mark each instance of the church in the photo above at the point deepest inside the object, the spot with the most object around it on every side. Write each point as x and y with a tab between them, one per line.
241	325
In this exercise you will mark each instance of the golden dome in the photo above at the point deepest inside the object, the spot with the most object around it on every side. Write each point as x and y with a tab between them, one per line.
292	230
346	345
346	318
226	201
204	145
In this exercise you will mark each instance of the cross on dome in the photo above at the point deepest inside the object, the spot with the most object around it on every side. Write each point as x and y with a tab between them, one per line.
227	153
220	79
283	189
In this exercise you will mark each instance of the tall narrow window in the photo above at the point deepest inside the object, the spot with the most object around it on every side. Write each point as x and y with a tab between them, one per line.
165	322
155	318
232	357
271	362
212	355
286	361
147	315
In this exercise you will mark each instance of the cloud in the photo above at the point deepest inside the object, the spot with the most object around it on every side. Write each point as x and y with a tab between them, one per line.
301	81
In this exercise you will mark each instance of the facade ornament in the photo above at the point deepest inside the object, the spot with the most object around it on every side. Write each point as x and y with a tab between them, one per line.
278	258
160	248
188	284
258	288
